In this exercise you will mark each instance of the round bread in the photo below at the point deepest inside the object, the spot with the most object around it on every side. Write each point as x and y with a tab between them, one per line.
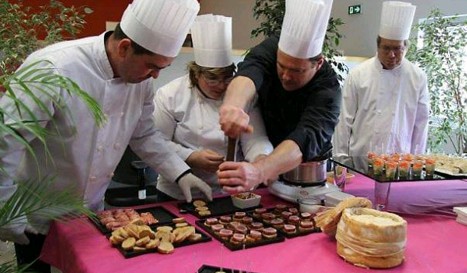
305	215
204	213
370	238
306	225
277	223
327	220
237	238
241	228
198	209
293	210
179	220
267	217
225	219
195	237
217	227
269	232
199	203
247	220
255	234
256	225
211	221
280	208
165	247
286	214
290	229
225	234
293	220
258	211
238	216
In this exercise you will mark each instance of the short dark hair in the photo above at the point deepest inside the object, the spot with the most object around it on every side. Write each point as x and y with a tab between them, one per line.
316	58
378	41
137	49
195	70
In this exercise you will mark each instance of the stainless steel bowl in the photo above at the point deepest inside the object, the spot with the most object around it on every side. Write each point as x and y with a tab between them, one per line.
307	173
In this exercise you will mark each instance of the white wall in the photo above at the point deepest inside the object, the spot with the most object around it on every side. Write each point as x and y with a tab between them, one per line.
360	30
178	66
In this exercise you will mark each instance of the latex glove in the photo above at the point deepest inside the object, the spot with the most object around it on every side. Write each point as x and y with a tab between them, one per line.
190	181
14	231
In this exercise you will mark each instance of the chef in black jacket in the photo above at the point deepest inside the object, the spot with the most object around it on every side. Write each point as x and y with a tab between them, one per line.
298	93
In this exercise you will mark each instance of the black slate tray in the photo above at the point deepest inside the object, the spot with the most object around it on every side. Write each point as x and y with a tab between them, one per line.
218	206
234	247
131	254
160	213
360	164
281	231
214	269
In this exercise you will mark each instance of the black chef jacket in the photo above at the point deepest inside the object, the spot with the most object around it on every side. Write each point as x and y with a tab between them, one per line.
308	115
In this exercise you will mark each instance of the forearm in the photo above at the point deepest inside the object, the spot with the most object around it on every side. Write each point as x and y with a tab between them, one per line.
240	92
285	157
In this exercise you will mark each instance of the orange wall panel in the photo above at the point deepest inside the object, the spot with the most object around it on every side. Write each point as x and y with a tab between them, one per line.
103	10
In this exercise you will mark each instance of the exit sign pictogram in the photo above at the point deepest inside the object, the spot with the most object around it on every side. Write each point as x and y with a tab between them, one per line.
355	9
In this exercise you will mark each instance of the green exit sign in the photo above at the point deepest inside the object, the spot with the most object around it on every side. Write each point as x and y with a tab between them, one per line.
355	9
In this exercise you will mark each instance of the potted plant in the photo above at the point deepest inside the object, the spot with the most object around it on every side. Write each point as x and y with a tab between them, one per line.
21	31
271	14
441	51
24	30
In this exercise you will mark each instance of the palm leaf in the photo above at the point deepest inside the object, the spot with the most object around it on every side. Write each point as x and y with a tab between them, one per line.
37	199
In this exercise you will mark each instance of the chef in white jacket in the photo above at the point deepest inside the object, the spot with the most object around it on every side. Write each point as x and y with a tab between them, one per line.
187	109
117	69
385	105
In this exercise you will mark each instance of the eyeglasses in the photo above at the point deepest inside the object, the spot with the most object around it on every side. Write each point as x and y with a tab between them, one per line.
395	49
215	82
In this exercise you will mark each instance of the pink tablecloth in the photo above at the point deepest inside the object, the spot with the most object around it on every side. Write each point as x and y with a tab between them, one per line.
436	243
416	198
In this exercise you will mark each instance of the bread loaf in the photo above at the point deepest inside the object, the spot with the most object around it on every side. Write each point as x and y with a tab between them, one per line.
327	220
370	238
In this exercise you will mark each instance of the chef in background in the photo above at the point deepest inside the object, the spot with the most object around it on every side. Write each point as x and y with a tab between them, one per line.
298	94
187	110
116	68
385	104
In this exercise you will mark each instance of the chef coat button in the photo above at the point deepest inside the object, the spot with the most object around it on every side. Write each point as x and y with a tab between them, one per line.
110	175
117	146
100	148
92	179
122	114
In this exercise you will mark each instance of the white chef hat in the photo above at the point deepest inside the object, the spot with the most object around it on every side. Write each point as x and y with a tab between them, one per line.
396	20
212	40
160	26
304	27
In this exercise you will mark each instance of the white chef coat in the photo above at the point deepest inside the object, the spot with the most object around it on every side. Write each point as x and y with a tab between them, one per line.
384	111
84	155
191	121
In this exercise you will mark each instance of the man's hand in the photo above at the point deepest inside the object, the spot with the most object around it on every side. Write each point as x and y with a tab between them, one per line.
207	160
234	121
189	181
239	176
